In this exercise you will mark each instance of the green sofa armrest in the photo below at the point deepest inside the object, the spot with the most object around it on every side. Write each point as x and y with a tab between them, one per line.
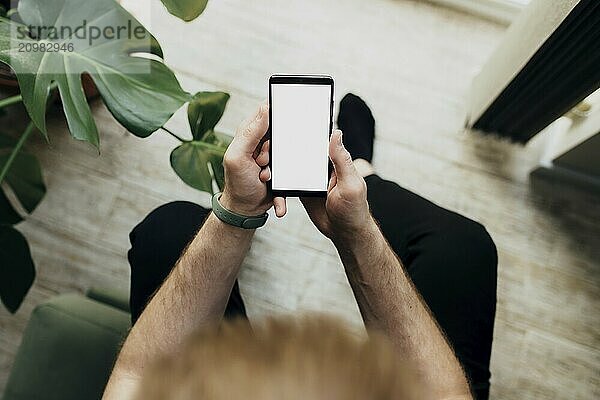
68	350
113	297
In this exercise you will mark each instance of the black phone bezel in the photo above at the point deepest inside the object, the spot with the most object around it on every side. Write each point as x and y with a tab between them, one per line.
306	80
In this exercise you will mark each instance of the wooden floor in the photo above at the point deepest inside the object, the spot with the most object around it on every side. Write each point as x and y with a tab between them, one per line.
413	63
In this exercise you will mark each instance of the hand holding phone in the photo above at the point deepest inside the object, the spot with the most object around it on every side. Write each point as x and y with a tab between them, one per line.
300	124
343	216
246	169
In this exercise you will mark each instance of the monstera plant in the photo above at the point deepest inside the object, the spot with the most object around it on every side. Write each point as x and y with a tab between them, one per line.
130	77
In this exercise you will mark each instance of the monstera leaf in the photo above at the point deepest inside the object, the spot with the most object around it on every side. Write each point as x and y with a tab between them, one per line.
98	38
192	159
6	142
221	140
204	112
8	215
16	267
17	270
186	10
25	179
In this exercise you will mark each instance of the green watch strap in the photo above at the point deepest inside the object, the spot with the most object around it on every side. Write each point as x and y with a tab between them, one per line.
235	219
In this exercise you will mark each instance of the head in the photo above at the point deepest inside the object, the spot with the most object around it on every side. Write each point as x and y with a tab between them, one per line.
280	358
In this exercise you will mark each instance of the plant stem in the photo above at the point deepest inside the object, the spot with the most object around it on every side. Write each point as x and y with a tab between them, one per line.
172	134
9	101
30	128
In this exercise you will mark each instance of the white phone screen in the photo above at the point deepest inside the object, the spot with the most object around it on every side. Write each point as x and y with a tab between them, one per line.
300	128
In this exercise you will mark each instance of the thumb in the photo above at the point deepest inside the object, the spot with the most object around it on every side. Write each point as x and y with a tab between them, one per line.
251	132
340	157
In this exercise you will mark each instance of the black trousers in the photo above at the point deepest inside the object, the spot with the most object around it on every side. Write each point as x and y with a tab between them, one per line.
451	259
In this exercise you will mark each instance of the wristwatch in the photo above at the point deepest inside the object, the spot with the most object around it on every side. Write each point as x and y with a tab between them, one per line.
235	219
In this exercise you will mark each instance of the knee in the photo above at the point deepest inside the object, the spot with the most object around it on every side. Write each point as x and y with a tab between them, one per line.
473	243
483	244
163	219
169	226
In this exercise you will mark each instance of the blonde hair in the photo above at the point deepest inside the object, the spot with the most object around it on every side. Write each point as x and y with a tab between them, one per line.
280	358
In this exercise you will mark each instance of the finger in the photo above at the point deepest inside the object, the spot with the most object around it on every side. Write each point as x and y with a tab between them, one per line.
265	175
280	206
258	148
251	132
263	157
340	157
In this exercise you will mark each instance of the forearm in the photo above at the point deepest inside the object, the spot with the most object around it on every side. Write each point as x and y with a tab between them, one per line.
194	294
389	302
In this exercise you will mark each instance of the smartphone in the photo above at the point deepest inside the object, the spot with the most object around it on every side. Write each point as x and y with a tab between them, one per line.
300	124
